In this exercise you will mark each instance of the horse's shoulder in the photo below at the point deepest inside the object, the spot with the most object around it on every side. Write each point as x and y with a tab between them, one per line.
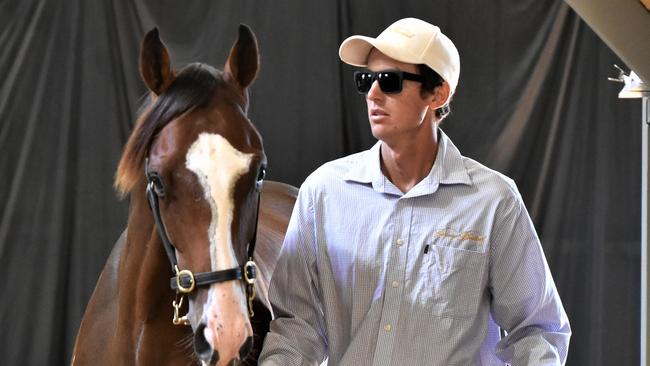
98	320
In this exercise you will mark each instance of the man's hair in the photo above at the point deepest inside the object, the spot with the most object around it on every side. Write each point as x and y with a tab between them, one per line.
431	81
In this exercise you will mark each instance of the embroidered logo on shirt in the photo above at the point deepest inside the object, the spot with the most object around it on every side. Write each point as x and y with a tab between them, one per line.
460	236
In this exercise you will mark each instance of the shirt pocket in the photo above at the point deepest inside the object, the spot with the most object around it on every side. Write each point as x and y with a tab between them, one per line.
451	279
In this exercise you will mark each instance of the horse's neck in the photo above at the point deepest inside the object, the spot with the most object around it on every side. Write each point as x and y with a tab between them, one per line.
144	271
275	210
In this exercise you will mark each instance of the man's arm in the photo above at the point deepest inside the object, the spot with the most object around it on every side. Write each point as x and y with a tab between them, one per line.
525	301
297	335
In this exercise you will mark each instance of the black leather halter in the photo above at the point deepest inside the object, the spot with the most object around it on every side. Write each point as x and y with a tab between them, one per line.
184	281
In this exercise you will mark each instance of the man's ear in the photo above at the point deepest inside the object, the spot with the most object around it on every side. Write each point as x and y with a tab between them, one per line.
440	96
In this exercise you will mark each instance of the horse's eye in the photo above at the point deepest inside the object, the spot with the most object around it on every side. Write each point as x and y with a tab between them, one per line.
157	183
262	174
260	178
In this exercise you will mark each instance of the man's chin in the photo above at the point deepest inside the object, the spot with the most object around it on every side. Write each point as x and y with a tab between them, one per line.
379	132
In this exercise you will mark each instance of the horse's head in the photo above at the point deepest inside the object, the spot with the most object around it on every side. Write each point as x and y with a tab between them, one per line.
204	162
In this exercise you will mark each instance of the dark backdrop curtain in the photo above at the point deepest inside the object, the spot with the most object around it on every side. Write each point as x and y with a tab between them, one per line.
533	102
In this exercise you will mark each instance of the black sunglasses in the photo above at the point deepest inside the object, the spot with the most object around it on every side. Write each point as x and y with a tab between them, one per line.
389	81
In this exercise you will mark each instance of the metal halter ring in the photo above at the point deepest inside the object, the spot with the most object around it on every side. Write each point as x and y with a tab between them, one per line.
179	274
250	272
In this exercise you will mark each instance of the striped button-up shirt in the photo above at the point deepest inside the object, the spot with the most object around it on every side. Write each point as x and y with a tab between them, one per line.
369	275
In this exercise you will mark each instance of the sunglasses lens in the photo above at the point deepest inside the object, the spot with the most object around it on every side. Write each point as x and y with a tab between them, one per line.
389	82
363	81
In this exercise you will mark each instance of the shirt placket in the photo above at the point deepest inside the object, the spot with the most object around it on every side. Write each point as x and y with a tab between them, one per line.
393	282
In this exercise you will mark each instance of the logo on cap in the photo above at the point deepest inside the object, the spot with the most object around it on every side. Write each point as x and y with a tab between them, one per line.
403	32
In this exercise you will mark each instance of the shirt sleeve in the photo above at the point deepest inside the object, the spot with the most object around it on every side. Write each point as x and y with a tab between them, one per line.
525	301
297	334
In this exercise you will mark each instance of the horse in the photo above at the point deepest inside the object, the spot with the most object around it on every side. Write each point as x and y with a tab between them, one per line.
194	168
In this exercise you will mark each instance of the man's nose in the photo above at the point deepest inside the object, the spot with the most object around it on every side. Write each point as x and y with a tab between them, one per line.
375	91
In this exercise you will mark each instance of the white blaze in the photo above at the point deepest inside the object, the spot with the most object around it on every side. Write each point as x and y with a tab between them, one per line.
218	166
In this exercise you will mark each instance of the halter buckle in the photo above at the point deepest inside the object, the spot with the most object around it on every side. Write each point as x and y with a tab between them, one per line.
250	272
188	273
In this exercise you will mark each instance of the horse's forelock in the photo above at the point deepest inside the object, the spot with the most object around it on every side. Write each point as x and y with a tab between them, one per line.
193	88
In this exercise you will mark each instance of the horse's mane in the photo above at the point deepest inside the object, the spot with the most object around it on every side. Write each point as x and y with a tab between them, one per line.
192	88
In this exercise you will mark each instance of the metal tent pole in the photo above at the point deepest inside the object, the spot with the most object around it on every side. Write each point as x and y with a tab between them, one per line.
645	223
634	87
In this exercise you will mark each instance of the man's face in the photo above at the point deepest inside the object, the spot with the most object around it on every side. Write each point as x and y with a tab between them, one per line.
401	115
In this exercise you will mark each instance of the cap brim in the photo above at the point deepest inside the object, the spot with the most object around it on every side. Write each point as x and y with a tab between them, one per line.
355	49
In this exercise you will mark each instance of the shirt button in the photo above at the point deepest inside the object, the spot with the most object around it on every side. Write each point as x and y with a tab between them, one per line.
395	284
388	327
400	241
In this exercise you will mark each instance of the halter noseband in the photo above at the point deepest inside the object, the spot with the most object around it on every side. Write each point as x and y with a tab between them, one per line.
184	281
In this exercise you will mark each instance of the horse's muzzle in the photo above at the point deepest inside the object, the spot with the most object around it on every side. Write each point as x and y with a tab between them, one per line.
202	348
209	356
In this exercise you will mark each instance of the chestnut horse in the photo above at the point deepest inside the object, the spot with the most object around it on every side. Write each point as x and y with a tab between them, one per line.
193	168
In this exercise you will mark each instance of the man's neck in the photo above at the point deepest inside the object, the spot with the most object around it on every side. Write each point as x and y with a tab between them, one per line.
406	163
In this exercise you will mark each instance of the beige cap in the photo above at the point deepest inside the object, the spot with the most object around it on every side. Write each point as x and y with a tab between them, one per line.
409	40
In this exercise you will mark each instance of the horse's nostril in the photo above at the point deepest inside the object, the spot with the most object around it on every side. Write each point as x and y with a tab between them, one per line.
246	348
202	348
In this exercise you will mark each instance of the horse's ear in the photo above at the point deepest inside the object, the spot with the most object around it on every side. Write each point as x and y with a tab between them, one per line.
155	66
243	61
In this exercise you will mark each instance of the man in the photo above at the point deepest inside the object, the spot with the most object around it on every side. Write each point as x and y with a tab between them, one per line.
409	253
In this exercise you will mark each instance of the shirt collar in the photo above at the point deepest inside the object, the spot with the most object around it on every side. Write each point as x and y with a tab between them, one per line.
447	169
